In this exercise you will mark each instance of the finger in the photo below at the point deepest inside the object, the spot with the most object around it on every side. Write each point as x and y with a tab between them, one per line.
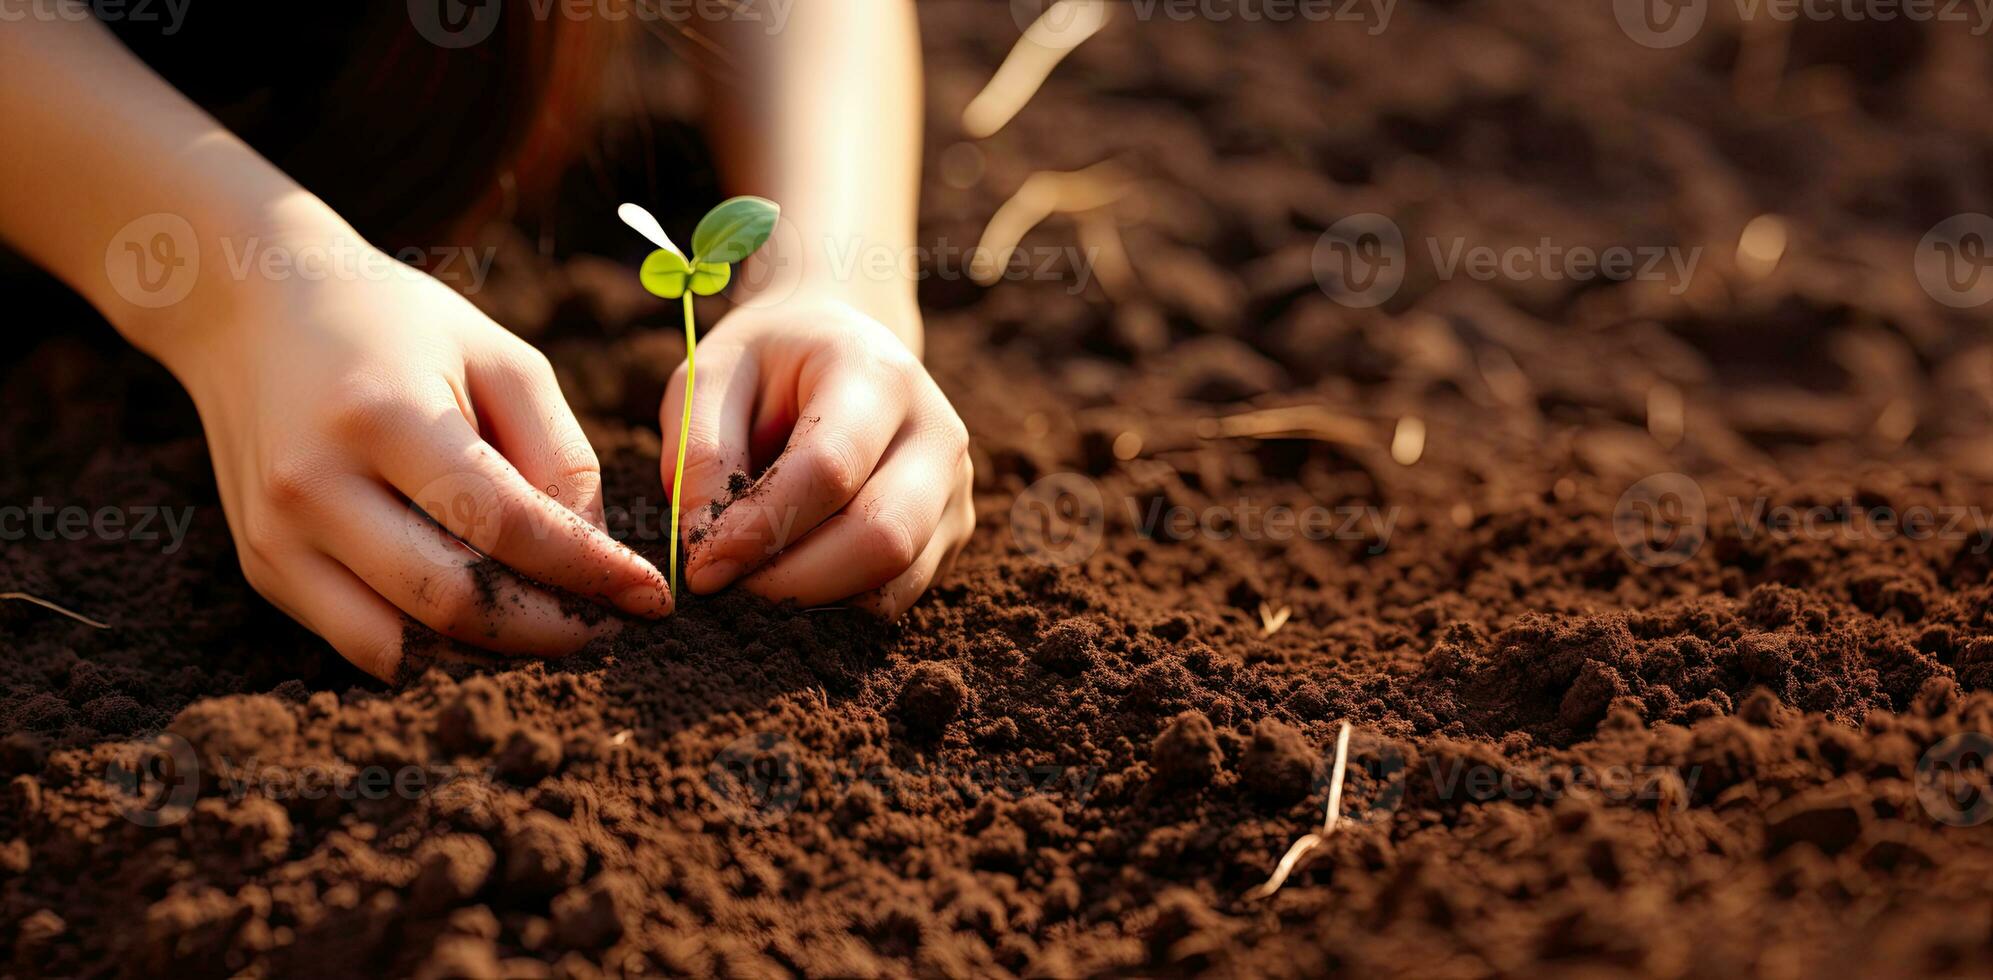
895	597
530	423
717	442
881	535
439	583
844	426
465	485
365	628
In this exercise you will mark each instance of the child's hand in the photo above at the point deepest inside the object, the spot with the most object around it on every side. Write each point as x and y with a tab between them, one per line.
869	499
330	406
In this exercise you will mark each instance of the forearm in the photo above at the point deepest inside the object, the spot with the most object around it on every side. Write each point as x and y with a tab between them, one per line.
100	141
824	117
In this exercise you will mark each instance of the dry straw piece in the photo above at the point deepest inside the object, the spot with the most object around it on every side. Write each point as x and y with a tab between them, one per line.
1042	195
1294	421
52	607
1056	32
1271	619
1330	818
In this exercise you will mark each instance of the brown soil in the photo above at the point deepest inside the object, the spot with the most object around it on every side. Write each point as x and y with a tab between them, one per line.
1709	768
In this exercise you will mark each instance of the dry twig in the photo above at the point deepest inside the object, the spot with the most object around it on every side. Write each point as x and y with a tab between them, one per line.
1046	43
1042	195
52	607
1307	844
1294	421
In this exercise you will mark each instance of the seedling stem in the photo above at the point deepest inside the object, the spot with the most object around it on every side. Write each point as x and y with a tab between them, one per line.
684	434
727	234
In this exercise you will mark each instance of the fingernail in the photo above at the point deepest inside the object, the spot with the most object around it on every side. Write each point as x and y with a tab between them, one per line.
646	600
714	576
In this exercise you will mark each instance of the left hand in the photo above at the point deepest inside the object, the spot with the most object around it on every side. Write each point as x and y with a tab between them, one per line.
869	499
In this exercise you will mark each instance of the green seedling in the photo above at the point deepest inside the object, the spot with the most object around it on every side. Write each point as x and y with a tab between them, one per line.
727	234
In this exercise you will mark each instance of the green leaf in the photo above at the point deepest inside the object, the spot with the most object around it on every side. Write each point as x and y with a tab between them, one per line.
734	229
665	274
711	277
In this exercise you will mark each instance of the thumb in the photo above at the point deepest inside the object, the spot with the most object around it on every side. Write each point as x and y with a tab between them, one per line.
716	441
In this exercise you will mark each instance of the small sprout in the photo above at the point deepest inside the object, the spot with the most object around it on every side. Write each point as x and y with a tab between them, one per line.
732	231
647	226
1271	619
667	274
727	234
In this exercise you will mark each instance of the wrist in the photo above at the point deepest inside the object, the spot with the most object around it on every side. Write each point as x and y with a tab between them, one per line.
892	303
175	283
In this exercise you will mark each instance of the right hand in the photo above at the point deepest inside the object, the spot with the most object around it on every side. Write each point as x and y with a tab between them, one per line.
334	408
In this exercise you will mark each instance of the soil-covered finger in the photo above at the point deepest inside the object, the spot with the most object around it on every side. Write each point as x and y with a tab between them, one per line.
472	599
465	485
846	426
